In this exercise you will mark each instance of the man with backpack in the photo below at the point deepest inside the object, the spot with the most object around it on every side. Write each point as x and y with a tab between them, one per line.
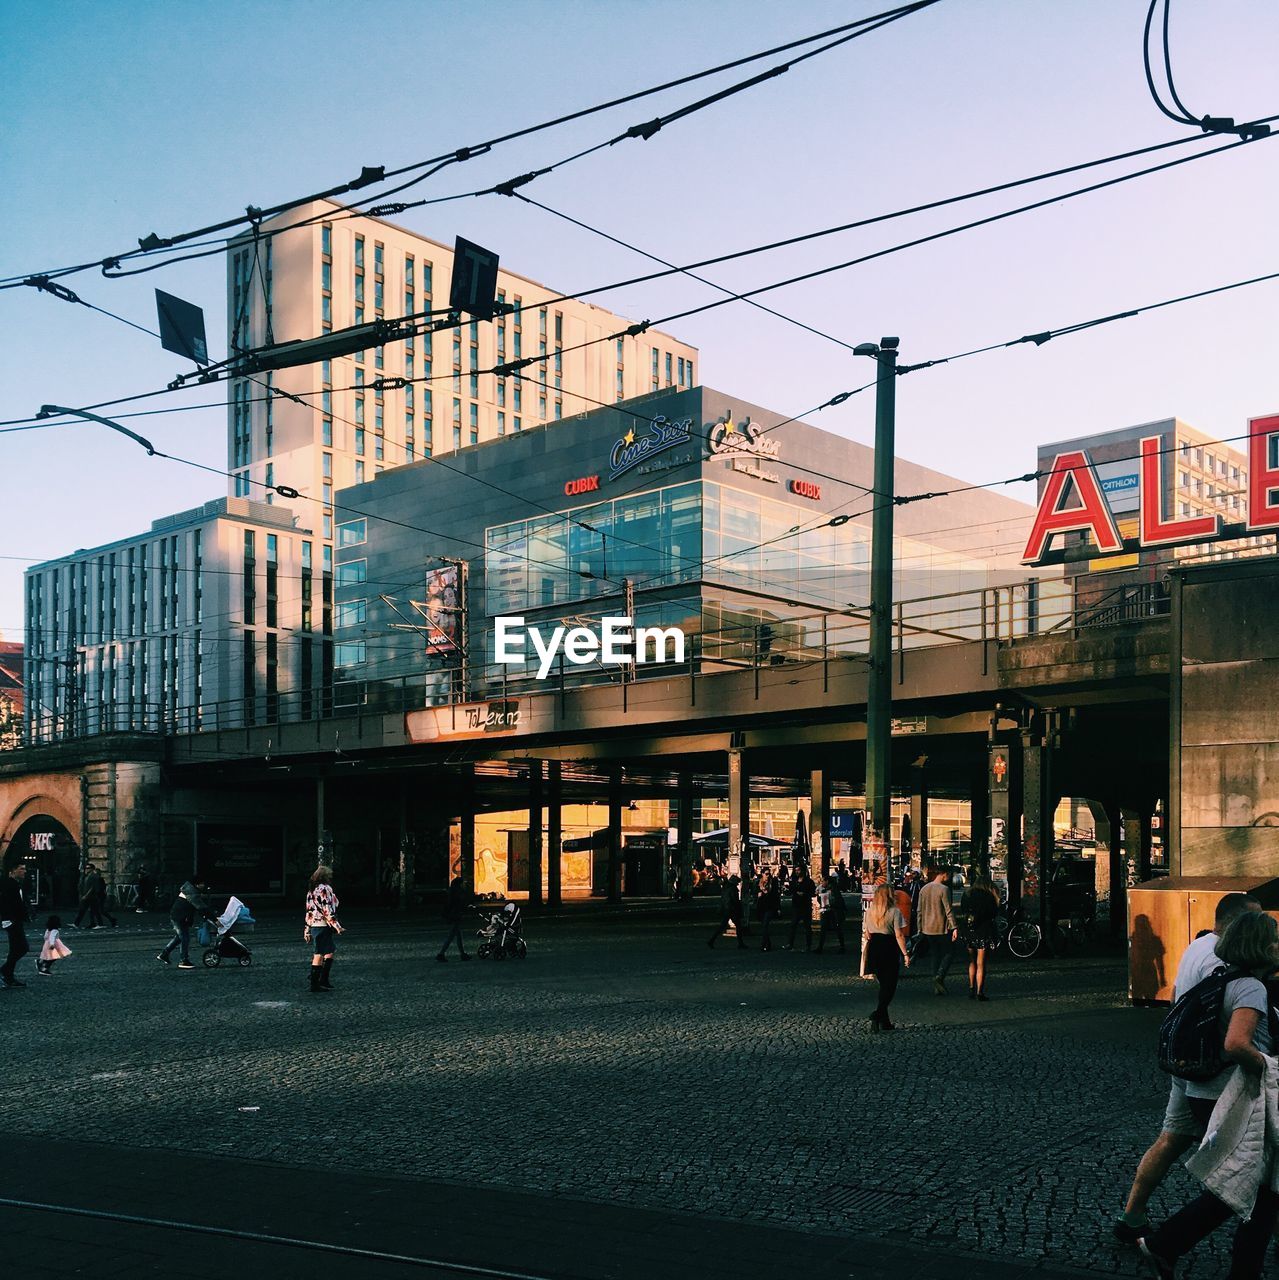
1181	1130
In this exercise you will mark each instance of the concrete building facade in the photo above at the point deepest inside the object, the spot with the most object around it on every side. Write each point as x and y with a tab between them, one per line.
319	268
231	600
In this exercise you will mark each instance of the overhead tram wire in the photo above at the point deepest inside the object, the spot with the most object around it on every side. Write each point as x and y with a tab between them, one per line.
808	236
376	175
1182	114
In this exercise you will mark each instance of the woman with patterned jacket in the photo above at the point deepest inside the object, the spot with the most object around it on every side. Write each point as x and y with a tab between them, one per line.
322	927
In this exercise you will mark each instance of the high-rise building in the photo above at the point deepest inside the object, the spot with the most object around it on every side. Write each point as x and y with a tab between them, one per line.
230	602
419	398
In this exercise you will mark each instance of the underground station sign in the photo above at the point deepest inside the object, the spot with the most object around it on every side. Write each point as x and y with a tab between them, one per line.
1074	501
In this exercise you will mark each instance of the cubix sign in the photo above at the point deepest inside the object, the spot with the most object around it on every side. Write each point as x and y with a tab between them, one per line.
1074	500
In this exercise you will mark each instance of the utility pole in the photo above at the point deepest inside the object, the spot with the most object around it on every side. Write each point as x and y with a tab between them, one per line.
879	728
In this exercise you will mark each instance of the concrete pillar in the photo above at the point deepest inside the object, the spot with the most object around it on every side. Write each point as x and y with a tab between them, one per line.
684	834
1037	800
979	824
614	834
323	853
919	811
466	820
535	832
1118	870
819	818
739	822
554	833
408	868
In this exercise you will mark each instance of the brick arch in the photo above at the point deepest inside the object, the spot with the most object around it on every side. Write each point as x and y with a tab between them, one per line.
36	797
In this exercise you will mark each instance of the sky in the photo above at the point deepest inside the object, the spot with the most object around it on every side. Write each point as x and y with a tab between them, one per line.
127	118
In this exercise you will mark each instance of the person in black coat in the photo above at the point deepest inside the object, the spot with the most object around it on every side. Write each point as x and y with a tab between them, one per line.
768	899
730	906
13	919
833	912
182	915
454	910
802	890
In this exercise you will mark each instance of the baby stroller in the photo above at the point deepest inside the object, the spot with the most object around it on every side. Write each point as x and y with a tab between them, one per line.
502	934
223	944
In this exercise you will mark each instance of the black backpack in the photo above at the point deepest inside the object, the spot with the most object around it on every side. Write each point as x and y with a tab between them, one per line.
1191	1037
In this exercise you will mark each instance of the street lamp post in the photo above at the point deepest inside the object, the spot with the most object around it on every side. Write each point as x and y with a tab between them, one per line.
879	739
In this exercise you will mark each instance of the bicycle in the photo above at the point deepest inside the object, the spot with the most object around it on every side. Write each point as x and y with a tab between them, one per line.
1024	937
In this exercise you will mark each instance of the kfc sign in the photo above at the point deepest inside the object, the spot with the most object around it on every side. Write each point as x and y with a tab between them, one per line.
1074	500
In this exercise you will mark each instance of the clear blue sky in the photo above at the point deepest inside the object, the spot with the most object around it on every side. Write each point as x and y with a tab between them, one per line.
124	118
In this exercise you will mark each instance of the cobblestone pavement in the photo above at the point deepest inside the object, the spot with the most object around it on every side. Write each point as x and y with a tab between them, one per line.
622	1062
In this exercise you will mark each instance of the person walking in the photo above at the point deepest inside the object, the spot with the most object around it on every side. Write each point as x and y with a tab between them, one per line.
768	899
146	889
454	910
13	920
186	906
937	928
322	927
53	950
1250	943
802	890
88	898
730	912
834	910
1180	1129
978	907
99	887
884	941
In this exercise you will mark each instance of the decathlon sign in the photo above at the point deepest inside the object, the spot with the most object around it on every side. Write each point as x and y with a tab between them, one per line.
1075	501
617	643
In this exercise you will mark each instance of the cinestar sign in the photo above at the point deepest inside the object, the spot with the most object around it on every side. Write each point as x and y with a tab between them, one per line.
613	645
1089	513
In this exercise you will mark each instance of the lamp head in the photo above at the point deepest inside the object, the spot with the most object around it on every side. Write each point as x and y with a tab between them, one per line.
866	349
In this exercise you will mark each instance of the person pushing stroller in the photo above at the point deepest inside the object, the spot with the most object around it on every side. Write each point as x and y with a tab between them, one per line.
182	914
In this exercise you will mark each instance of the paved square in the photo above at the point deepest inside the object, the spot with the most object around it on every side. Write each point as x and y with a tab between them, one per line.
625	1063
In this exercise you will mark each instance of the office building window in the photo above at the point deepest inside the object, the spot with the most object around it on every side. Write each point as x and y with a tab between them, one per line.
541	407
457	437
326	466
668	369
359	251
501	423
475	424
351	573
326	527
519	424
250	577
351	613
272	579
326	432
359	471
348	653
351	533
359	441
326	239
408	272
377	258
501	393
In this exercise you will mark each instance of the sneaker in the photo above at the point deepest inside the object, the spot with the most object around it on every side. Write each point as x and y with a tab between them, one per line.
162	958
1157	1266
1125	1233
185	964
44	973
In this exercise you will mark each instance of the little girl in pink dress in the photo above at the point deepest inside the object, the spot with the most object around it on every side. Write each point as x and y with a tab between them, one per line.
54	948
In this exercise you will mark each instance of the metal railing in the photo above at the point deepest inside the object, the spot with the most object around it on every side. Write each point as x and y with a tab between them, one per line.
810	645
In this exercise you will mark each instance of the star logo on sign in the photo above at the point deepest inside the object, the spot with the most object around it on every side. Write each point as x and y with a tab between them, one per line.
729	424
629	437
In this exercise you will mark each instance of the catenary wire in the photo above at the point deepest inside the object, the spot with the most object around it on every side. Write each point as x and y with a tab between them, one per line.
376	175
